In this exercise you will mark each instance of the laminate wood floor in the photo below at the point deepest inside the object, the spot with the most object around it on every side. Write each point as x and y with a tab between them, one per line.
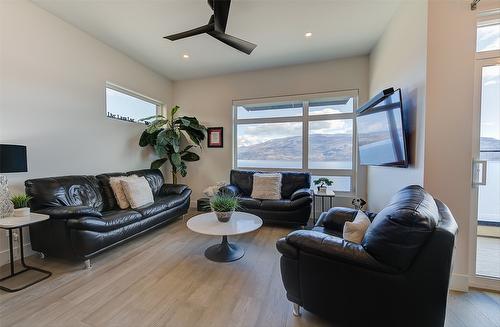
163	279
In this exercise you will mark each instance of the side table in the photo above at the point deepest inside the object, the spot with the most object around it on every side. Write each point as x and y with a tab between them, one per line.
9	224
328	195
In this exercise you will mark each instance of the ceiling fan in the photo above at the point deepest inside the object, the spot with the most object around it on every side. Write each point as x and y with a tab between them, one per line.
216	28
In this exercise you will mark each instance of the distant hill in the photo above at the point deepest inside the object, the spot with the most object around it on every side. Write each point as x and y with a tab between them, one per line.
324	147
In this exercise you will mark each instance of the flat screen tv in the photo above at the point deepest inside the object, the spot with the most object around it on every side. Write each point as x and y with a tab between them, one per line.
381	132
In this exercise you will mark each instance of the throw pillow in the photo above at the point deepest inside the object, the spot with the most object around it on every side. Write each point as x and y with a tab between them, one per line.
266	186
355	231
137	191
116	186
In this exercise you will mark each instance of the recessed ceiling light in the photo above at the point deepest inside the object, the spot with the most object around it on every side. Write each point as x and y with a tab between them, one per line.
185	56
308	34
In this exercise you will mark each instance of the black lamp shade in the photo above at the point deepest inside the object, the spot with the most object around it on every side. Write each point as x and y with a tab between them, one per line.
13	158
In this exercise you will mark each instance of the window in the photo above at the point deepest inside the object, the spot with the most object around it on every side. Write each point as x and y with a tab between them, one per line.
488	35
313	133
129	106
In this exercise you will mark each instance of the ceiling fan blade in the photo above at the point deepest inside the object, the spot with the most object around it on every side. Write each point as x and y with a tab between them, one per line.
221	13
239	44
195	31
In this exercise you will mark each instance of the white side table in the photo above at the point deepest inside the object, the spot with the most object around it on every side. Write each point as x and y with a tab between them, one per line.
11	223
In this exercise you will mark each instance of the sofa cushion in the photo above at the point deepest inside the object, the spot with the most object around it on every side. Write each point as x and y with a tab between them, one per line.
118	191
163	203
292	181
111	220
137	191
398	231
249	203
285	204
108	198
64	191
266	186
243	179
153	176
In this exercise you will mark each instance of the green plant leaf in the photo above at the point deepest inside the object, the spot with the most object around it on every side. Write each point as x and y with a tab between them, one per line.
173	111
175	159
151	117
161	150
156	125
158	163
187	148
190	156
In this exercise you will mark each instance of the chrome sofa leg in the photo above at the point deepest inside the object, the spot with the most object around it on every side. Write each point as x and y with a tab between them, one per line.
42	255
88	264
296	310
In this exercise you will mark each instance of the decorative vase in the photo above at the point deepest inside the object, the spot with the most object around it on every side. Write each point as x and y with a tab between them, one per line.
22	212
6	206
223	217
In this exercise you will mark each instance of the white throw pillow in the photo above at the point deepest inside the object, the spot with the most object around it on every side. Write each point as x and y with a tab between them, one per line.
266	186
116	186
137	191
355	231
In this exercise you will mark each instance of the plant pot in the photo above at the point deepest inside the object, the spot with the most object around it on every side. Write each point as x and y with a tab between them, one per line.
22	212
223	217
322	189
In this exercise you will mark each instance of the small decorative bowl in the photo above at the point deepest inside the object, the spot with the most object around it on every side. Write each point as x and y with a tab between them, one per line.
223	217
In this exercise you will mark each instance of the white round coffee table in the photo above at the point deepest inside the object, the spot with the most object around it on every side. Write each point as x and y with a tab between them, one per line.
240	223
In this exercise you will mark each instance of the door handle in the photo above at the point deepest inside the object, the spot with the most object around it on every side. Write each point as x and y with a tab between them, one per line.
479	169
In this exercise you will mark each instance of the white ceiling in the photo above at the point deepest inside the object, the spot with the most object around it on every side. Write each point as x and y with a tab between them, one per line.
136	27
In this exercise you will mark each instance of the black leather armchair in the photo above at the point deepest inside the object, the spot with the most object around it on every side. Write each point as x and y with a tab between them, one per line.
397	276
85	218
294	208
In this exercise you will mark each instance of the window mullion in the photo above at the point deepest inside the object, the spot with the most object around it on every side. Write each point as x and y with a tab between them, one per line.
305	135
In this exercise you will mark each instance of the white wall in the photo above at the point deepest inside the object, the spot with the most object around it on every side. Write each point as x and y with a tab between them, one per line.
52	98
399	61
210	100
450	87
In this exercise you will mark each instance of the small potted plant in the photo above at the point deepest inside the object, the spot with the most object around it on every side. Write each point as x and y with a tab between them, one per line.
322	183
224	205
21	202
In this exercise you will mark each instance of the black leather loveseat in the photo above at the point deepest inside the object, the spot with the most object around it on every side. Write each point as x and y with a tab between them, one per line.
85	218
294	207
397	276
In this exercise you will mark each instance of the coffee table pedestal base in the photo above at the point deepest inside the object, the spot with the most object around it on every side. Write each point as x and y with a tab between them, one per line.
224	252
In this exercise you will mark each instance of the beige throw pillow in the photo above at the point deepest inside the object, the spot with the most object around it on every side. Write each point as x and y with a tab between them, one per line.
266	186
355	231
137	191
116	186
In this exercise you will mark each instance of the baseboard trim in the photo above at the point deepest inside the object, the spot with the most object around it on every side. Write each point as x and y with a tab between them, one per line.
459	282
4	254
485	283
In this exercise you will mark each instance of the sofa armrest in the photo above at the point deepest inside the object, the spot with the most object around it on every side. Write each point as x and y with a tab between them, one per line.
286	248
169	189
66	212
301	193
334	248
88	223
336	217
230	189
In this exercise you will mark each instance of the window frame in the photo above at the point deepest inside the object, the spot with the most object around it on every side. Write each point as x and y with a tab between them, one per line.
304	119
486	18
108	85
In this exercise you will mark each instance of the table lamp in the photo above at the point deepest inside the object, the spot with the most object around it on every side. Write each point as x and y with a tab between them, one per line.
12	160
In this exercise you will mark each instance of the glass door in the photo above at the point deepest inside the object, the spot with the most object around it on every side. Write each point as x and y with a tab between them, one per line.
487	174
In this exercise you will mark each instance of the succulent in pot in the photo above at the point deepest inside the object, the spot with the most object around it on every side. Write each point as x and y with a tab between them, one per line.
21	204
224	205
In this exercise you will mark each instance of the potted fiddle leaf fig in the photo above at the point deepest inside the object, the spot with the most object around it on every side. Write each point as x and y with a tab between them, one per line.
164	135
21	204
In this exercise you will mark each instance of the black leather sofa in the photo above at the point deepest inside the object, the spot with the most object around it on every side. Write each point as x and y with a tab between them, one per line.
397	276
85	218
294	208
